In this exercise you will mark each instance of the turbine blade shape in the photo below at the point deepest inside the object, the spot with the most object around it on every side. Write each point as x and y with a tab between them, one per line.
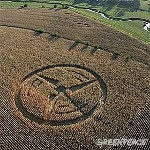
80	86
50	80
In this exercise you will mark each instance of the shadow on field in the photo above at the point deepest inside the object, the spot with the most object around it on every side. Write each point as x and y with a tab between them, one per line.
58	9
50	8
73	46
53	38
37	33
93	50
84	48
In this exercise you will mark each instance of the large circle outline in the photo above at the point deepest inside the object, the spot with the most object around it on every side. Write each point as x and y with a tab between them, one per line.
32	117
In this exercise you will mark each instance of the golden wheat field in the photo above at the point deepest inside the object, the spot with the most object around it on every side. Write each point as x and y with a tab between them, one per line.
74	26
58	95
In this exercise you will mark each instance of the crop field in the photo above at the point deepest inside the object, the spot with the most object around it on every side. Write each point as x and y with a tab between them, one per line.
67	81
134	29
67	24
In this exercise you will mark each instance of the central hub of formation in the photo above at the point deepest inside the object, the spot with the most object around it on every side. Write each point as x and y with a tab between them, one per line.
60	94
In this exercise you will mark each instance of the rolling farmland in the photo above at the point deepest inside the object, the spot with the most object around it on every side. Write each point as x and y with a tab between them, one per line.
68	24
67	80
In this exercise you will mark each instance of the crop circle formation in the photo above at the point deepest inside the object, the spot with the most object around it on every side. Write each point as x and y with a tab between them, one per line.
60	94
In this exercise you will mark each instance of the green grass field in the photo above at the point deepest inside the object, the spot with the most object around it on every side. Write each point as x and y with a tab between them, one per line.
6	4
116	11
144	4
133	28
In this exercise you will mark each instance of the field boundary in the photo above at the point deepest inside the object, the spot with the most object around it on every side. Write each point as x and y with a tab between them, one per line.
66	5
95	47
91	8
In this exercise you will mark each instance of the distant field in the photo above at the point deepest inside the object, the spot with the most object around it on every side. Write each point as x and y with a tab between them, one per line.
77	27
144	5
123	12
6	4
134	29
131	28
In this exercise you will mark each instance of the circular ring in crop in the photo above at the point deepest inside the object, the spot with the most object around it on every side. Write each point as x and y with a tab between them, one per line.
60	94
